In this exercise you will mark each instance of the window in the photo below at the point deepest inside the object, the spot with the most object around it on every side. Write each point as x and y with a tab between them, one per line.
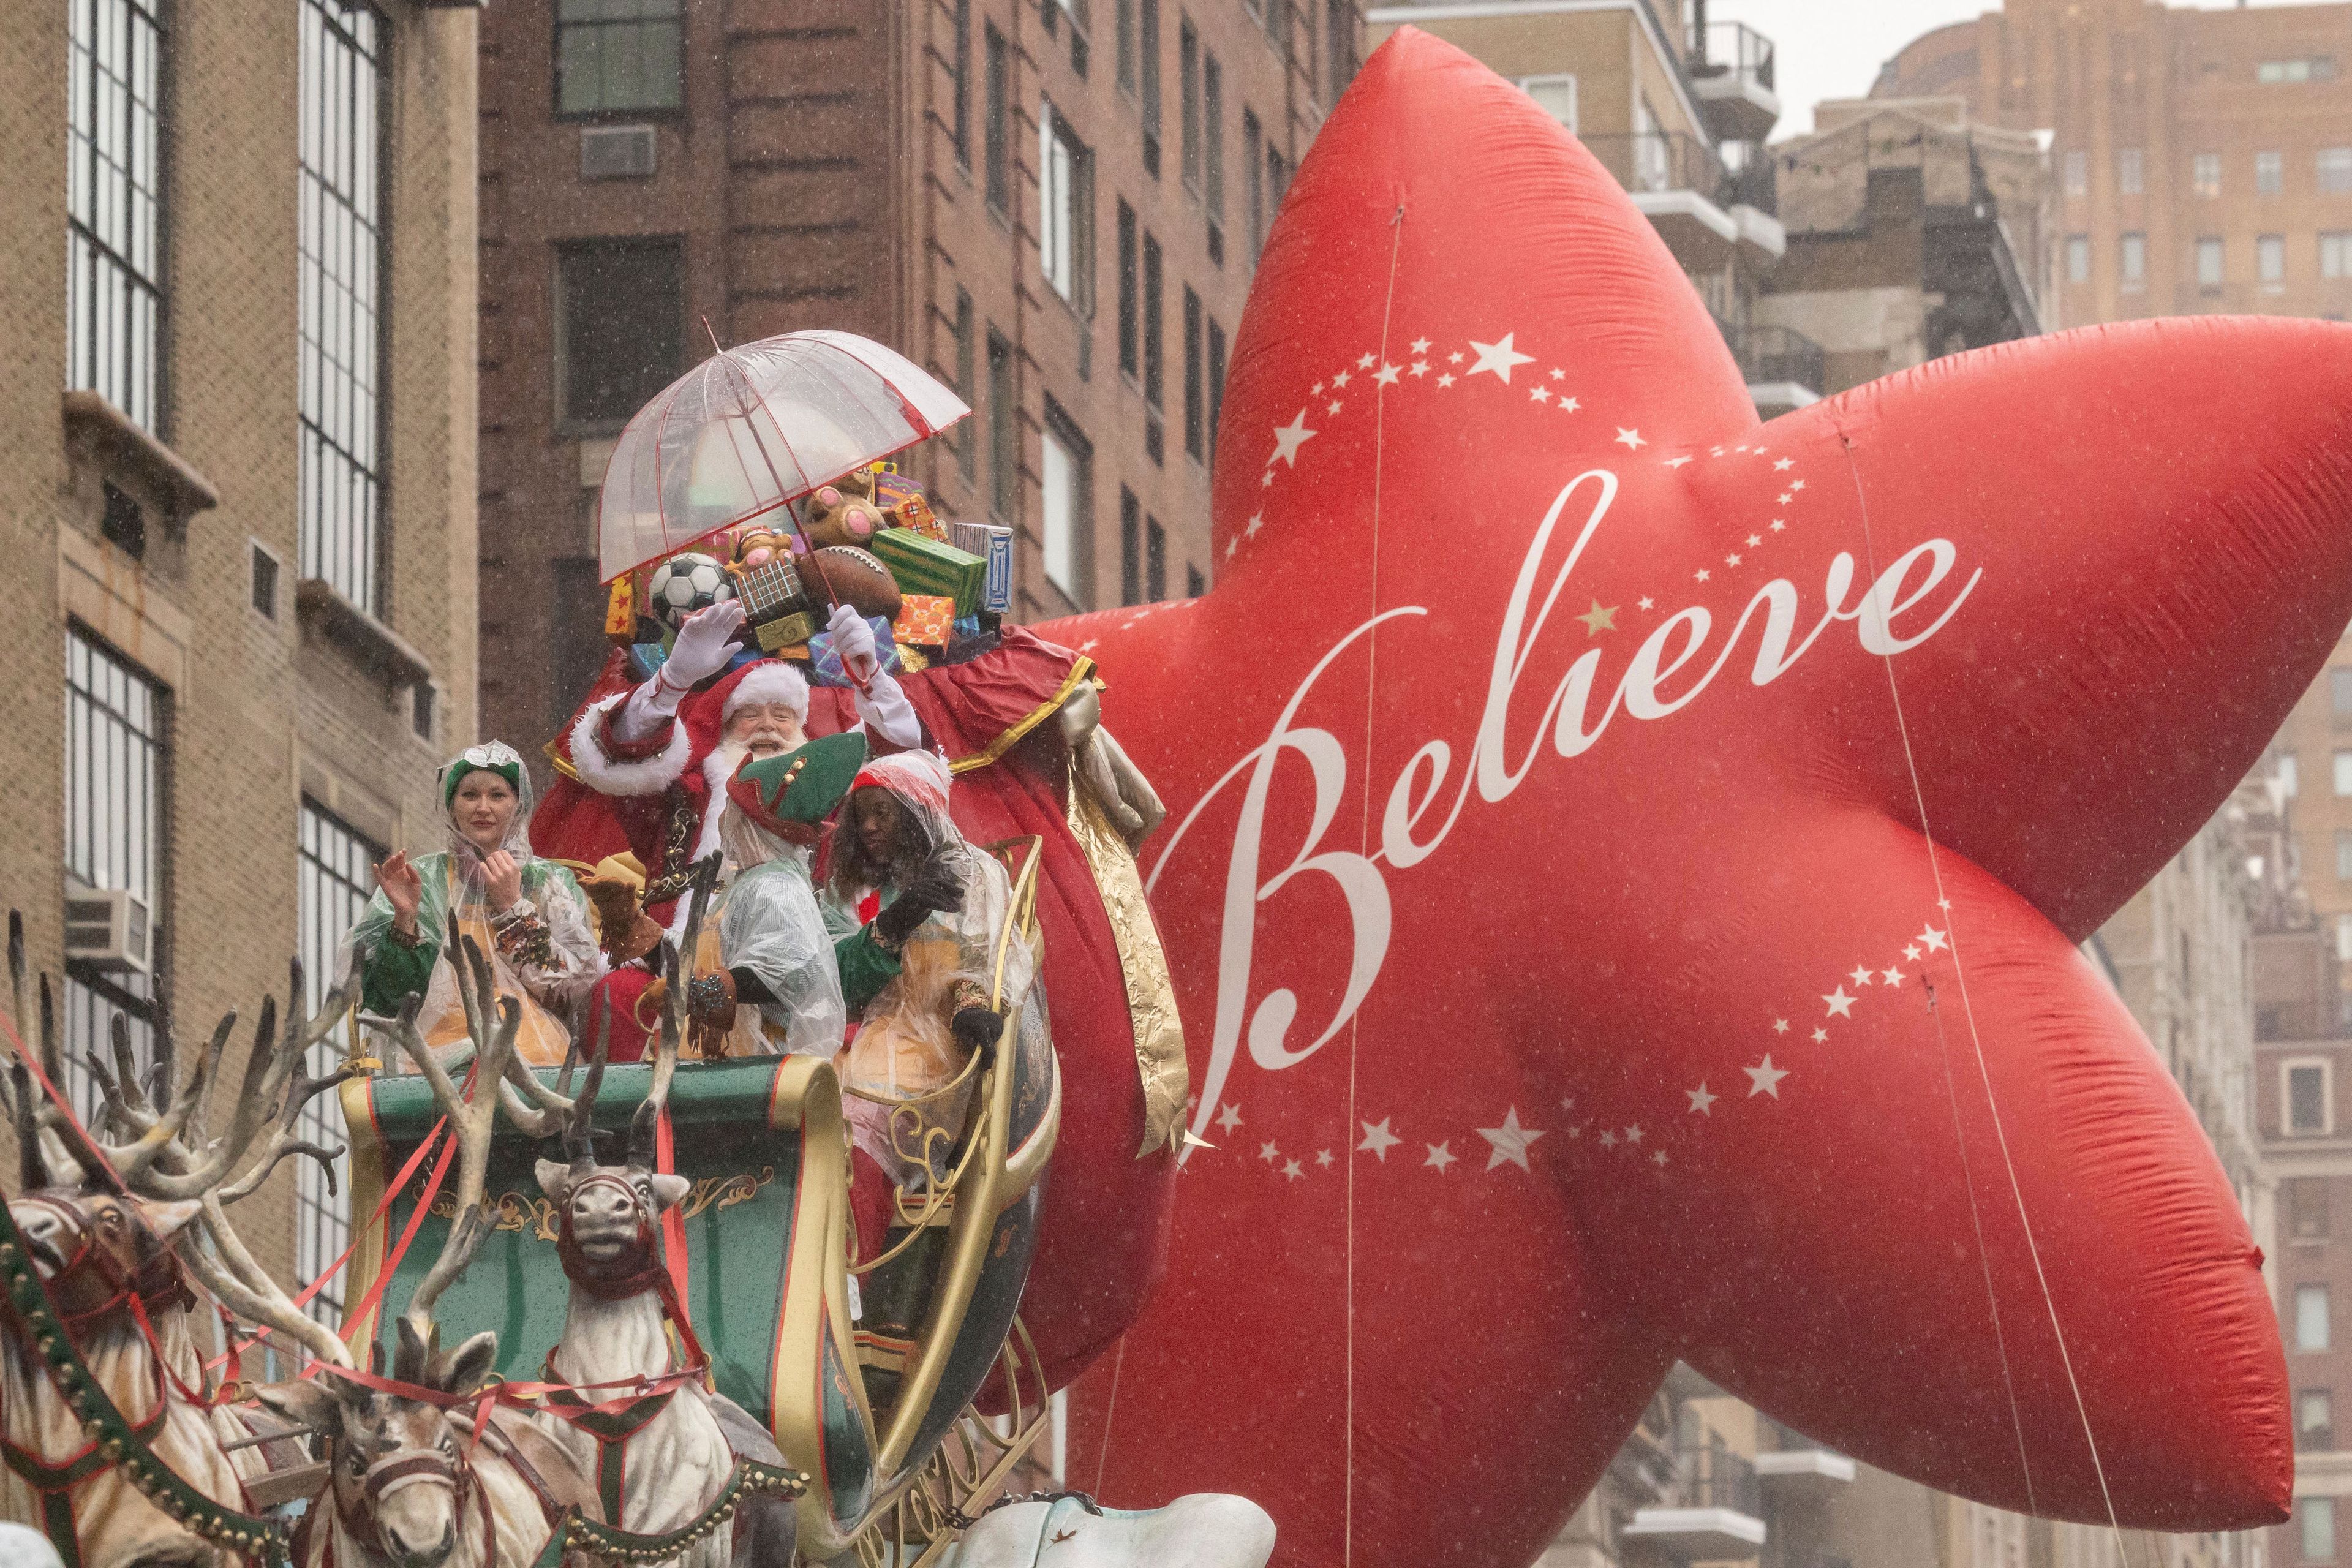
2343	855
2315	1519
1065	222
1188	87
342	264
1254	180
2334	171
967	458
1278	25
1155	561
2078	173
2078	258
2269	262
336	867
2315	1419
2311	1317
122	523
114	204
1193	402
2310	67
1555	95
619	56
2270	173
2205	175
1153	358
1130	547
620	327
2286	771
1004	432
265	583
2306	1207
1278	180
1065	517
1216	384
116	817
2309	1095
2343	773
960	57
1212	163
2339	692
2133	259
2344	942
2335	255
1338	49
1126	29
1080	32
2209	264
1148	18
2130	175
1131	301
995	134
1194	584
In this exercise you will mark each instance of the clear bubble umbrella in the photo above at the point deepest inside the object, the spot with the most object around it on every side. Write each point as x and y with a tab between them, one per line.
752	429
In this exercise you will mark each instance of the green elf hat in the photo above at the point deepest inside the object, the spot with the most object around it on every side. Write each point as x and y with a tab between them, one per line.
791	794
496	757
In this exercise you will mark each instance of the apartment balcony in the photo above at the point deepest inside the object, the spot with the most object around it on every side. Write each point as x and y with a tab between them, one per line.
1752	197
1805	1475
1681	187
1783	367
1716	1511
1730	67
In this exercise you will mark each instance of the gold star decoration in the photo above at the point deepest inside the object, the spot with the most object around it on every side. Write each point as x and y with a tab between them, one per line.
1598	619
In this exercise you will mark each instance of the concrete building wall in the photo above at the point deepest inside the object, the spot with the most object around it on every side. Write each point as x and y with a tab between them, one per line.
261	709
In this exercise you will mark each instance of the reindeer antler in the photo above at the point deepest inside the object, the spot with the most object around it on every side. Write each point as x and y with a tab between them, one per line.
470	1122
677	964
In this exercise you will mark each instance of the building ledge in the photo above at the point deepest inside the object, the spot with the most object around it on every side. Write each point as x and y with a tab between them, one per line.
1760	230
372	646
1772	397
2326	1472
1741	108
1790	1462
1699	1534
120	441
1698	231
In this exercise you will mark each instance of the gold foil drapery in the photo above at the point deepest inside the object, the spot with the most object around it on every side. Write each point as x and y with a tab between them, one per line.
1150	989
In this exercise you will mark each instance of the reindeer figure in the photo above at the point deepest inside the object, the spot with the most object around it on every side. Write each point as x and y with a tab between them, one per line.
104	1256
409	1488
663	1461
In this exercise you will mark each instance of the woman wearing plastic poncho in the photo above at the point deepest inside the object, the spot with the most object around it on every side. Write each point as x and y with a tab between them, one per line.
527	915
917	913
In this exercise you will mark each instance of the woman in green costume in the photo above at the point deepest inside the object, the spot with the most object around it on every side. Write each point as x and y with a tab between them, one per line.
527	915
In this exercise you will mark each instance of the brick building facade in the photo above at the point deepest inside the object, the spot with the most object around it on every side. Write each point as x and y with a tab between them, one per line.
236	479
1055	209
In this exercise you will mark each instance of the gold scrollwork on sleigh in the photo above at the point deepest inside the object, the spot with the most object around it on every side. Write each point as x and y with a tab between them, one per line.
536	1216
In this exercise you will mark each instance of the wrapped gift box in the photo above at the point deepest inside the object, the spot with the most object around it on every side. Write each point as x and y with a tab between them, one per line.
925	565
995	546
925	620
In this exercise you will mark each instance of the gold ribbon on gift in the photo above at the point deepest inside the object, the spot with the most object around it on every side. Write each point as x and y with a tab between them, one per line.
1143	964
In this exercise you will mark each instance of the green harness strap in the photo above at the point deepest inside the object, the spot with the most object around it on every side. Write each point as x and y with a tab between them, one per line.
114	1441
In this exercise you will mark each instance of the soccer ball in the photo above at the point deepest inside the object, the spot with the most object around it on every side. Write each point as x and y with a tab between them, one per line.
684	584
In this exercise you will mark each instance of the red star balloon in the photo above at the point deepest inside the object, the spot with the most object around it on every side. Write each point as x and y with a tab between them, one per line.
1625	866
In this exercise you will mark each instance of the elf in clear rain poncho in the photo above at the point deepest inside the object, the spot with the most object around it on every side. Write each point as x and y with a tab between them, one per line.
772	990
526	914
917	912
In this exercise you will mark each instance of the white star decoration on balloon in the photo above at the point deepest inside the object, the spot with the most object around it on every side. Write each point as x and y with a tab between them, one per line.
1681	1114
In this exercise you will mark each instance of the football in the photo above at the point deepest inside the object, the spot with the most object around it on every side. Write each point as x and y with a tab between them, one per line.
684	584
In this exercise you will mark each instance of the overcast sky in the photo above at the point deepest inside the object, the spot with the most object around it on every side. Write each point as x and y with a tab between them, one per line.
1832	49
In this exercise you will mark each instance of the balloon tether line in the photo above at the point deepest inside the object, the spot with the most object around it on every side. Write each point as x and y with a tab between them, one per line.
1976	1040
1364	847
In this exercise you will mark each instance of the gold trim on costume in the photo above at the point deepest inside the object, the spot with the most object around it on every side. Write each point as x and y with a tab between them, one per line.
1080	673
1143	964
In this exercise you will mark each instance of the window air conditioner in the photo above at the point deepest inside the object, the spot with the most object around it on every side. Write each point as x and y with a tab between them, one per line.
616	151
105	927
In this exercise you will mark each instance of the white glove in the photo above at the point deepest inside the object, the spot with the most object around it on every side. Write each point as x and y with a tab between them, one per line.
701	649
853	640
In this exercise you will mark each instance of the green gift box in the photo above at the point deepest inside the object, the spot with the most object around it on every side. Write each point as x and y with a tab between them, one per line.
924	565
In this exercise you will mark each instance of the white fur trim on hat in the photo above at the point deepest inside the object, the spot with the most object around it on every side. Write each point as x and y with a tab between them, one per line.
770	680
601	773
919	776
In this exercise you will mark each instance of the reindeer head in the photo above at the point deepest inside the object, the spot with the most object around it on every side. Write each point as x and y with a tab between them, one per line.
94	1248
606	1214
401	1481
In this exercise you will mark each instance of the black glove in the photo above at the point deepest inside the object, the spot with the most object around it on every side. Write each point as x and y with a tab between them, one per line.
977	1030
934	889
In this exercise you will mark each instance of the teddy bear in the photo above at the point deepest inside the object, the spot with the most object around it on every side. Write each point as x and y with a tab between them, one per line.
843	513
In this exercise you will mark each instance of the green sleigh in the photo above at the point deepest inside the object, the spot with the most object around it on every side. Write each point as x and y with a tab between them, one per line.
762	1141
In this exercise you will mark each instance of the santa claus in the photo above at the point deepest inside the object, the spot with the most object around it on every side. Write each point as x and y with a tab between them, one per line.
644	767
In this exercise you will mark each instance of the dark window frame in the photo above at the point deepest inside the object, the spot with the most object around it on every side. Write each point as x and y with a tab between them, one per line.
960	67
118	256
1130	547
675	19
1194	405
1003	431
996	129
1148	27
570	253
1131	301
1188	89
